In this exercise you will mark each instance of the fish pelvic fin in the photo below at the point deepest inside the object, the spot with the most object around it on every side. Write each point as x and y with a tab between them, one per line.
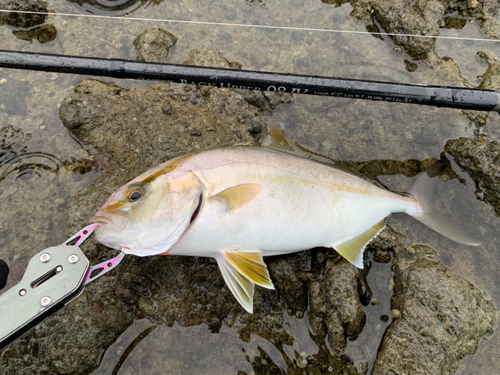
241	271
353	249
424	190
251	265
238	196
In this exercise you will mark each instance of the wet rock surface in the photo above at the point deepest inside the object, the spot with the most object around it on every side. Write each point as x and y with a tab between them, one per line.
22	19
43	34
210	58
336	312
424	18
439	317
267	102
481	160
154	45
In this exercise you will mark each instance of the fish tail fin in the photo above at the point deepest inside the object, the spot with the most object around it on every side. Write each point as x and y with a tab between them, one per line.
423	190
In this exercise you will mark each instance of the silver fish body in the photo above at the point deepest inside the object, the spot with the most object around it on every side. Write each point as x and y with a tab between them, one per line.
242	203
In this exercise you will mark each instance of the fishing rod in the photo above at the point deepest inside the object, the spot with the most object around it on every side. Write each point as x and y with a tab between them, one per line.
437	96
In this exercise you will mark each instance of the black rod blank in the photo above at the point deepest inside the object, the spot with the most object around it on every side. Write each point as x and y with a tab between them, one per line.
437	96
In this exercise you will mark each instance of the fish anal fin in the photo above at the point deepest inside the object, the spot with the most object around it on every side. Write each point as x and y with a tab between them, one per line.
353	249
251	265
238	196
239	285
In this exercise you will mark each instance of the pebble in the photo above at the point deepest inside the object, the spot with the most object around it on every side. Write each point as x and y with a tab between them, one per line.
410	251
302	360
3	80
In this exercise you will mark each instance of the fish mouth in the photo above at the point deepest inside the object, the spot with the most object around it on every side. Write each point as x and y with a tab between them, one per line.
117	220
99	219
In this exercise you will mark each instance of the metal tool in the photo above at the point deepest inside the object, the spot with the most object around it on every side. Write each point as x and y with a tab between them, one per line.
54	277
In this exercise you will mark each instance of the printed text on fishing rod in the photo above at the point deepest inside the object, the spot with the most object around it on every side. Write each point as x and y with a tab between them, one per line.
437	96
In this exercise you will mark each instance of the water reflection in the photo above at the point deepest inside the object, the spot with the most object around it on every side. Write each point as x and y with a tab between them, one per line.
113	7
16	158
148	348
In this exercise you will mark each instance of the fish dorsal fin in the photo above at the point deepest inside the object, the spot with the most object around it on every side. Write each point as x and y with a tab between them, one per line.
353	249
238	196
277	140
251	265
239	285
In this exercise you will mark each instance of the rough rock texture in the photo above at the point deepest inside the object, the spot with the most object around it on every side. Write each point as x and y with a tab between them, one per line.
22	19
411	17
212	58
336	311
424	17
267	102
490	78
490	81
43	34
481	160
442	318
154	45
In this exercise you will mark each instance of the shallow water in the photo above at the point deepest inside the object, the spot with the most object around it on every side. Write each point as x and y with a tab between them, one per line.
38	153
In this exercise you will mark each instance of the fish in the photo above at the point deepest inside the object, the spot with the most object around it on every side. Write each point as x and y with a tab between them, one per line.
240	204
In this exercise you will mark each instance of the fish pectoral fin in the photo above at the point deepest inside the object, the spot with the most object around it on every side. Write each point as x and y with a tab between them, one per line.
238	196
353	249
239	285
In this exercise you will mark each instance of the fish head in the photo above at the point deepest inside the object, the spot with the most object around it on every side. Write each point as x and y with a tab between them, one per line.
149	214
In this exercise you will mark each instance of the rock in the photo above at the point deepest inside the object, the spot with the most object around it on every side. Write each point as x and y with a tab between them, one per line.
265	101
212	58
441	318
414	18
43	34
490	81
481	160
491	28
335	309
154	45
22	19
490	78
422	18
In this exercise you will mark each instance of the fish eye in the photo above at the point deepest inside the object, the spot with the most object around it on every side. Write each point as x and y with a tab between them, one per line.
135	192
